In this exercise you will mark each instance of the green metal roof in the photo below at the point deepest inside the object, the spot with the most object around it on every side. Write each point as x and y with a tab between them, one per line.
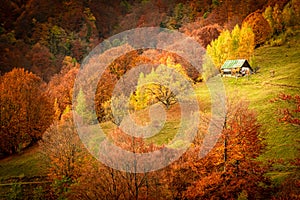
231	64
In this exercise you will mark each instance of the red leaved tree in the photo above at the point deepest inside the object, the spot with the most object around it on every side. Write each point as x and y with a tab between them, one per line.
260	27
230	169
26	111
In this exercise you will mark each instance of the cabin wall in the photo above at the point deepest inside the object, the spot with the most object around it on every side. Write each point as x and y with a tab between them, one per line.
236	72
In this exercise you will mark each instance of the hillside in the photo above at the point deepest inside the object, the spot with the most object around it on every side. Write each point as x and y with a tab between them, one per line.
259	90
281	139
44	47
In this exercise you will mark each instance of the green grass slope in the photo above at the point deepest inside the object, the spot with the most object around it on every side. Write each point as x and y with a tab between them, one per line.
26	164
262	87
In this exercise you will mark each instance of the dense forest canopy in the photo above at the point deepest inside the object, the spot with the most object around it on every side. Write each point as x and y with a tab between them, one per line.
41	33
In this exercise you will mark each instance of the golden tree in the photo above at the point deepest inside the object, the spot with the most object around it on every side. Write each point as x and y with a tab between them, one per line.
237	44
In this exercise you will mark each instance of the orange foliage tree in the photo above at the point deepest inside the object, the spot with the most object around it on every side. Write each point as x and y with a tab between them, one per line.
230	169
100	181
207	34
61	85
64	154
26	111
260	27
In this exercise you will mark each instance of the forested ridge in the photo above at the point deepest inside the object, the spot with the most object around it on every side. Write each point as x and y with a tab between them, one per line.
41	33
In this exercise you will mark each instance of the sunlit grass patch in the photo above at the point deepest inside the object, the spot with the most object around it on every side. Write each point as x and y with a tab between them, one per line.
28	164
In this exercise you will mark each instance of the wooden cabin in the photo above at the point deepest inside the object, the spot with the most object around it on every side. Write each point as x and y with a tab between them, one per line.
236	68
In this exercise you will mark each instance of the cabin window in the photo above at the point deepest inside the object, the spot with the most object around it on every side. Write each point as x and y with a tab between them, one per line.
227	71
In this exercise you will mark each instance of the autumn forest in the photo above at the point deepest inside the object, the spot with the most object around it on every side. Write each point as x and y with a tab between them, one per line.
152	123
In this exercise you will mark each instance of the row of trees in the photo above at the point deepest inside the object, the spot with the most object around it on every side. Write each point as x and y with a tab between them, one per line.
281	18
237	44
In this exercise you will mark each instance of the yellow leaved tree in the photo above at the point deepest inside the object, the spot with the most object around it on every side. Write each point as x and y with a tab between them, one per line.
237	44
